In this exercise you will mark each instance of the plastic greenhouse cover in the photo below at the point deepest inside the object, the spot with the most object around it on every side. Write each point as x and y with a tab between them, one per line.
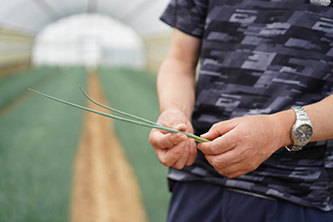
34	15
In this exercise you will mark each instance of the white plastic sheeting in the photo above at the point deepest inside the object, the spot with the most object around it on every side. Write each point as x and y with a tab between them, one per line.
33	15
89	39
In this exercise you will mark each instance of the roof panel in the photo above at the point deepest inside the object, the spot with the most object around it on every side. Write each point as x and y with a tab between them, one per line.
148	22
112	8
72	7
34	15
132	8
25	15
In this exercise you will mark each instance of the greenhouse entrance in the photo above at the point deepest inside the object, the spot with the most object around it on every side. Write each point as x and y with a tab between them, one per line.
89	40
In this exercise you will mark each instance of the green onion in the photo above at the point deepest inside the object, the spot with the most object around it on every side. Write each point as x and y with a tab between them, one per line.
129	118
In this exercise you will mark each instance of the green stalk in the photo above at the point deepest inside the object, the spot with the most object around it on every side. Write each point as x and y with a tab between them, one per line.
115	110
135	119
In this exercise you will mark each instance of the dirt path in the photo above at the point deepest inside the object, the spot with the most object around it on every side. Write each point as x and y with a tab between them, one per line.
104	185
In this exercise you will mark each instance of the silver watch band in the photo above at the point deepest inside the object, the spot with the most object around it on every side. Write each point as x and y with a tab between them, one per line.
293	148
301	115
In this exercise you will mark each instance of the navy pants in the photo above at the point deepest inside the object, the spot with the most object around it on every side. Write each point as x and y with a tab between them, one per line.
203	202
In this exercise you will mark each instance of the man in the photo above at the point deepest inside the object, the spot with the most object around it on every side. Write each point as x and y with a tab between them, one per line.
265	161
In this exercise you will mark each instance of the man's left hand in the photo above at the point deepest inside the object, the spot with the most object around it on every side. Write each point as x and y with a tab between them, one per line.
240	145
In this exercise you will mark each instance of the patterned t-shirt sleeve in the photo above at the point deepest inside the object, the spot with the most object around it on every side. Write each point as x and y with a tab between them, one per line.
186	15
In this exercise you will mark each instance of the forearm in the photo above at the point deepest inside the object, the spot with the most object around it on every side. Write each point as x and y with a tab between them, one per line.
320	114
321	117
176	78
176	86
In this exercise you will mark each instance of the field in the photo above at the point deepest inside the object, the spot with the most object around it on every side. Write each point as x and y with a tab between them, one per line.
134	92
39	140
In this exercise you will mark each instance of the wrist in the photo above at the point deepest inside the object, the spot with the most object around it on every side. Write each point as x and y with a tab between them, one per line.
176	107
284	122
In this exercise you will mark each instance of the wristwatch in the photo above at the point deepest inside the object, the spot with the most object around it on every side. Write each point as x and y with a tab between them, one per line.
302	130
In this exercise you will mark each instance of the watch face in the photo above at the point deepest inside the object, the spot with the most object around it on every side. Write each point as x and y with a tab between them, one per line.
304	133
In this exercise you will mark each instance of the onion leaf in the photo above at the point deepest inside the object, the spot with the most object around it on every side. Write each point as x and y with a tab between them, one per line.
129	118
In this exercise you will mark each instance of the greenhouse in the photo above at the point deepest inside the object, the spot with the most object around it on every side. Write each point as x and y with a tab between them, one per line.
59	163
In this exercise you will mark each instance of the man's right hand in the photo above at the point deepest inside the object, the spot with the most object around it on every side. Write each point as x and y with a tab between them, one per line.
174	149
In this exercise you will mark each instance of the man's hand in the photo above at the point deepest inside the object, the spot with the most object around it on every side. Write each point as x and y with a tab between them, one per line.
240	145
174	149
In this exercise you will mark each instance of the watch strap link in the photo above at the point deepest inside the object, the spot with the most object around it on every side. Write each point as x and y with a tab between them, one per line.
300	116
300	113
293	148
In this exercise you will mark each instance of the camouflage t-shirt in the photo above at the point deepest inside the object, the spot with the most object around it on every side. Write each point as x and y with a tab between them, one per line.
261	57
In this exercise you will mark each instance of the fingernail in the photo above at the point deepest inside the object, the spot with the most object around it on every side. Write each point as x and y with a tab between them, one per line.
182	137
181	127
203	135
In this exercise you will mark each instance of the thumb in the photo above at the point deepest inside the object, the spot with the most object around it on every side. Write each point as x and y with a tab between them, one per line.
210	135
218	129
181	127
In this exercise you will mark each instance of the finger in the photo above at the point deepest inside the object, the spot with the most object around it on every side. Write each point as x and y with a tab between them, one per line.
220	145
232	164
181	127
193	152
219	129
233	171
180	163
169	156
161	140
222	161
189	155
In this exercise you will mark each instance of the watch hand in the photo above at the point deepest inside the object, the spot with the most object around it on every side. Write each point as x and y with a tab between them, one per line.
303	134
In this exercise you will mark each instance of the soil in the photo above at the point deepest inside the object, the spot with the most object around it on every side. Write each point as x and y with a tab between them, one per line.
104	184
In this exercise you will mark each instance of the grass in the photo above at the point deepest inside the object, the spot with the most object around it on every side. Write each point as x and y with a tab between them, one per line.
13	86
37	148
38	139
134	92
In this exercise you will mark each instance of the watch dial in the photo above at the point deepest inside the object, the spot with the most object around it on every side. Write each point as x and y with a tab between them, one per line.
304	133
